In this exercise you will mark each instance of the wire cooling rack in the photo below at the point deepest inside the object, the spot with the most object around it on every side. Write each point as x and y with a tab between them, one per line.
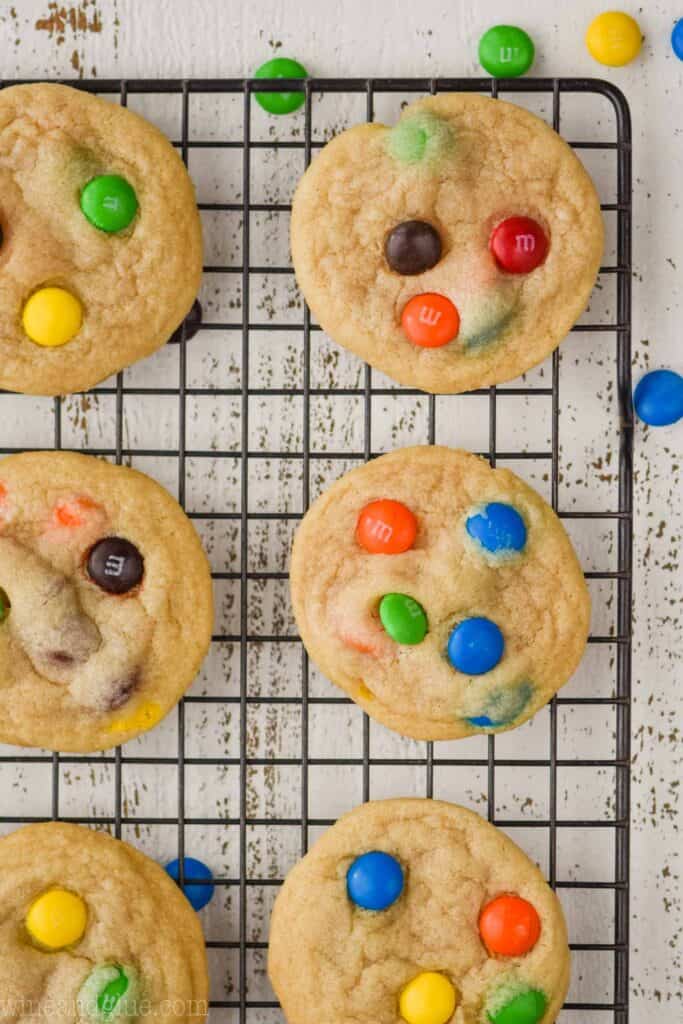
251	418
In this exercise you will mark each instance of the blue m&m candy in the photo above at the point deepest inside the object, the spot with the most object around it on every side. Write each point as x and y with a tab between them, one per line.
677	39
502	706
197	880
498	528
374	881
658	398
475	646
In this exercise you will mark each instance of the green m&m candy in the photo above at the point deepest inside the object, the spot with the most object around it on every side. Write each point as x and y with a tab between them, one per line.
506	51
110	995
403	618
281	102
5	605
527	1007
109	202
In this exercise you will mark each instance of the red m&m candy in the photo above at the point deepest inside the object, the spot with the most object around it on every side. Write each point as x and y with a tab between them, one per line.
386	527
430	320
509	926
519	245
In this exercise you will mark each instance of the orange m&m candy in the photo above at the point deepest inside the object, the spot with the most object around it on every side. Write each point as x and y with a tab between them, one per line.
386	527
430	320
74	512
509	926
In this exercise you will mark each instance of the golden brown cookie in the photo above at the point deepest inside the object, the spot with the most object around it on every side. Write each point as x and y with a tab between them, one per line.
470	227
127	289
442	595
94	932
417	911
106	602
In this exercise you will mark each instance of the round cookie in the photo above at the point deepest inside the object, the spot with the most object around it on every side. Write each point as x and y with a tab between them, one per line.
106	602
97	298
425	958
498	187
95	932
469	623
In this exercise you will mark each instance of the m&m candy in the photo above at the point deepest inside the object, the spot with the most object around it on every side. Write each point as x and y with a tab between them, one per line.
430	998
509	926
519	245
420	138
498	527
197	880
412	247
475	646
677	39
190	325
57	919
506	51
115	565
658	398
614	38
281	102
374	881
52	316
527	1007
430	320
501	706
74	512
111	992
109	202
5	605
386	527
143	717
403	619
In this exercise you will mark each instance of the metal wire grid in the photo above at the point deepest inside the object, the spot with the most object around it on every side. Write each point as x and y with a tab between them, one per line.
242	1006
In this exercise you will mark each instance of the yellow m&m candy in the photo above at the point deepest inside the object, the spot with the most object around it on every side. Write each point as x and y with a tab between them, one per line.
614	38
57	919
144	717
52	316
430	998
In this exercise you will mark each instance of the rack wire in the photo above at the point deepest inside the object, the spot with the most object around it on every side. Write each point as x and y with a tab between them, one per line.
239	991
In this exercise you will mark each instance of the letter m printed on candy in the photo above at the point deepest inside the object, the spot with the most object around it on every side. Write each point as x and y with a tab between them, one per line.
114	565
525	243
382	531
428	315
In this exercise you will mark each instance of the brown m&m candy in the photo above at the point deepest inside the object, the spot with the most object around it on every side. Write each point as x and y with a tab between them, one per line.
115	565
192	323
412	247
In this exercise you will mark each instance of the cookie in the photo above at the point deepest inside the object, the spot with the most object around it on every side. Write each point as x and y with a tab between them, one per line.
418	911
442	595
94	932
453	251
101	250
106	603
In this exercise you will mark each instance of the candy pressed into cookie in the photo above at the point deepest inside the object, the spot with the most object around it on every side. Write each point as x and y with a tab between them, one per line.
452	251
442	595
100	250
106	602
417	911
94	932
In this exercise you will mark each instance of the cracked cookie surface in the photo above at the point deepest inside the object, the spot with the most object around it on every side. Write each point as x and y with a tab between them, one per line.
134	286
84	666
462	164
136	917
536	596
330	960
